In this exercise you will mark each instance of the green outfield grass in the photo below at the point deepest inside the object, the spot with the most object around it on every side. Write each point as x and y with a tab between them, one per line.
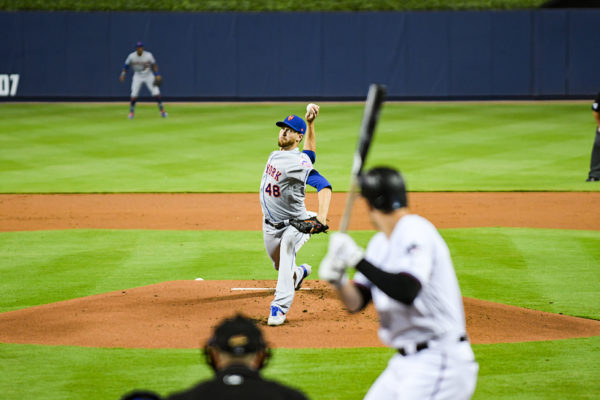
223	147
565	369
544	269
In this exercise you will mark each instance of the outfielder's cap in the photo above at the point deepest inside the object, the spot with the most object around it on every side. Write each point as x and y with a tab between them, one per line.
294	122
238	336
139	44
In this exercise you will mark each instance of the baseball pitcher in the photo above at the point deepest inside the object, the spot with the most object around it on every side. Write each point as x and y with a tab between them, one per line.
286	223
145	71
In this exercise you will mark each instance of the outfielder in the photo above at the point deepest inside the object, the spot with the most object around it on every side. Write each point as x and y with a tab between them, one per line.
408	274
145	71
286	223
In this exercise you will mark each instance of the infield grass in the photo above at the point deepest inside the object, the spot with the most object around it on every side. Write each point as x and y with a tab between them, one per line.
83	147
565	369
522	267
544	269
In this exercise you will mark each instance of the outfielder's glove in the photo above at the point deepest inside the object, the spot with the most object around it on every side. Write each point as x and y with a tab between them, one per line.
310	225
157	80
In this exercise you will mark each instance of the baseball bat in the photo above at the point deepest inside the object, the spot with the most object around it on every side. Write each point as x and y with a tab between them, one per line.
375	99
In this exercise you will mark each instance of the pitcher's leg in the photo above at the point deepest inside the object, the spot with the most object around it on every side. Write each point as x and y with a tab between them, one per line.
272	240
284	292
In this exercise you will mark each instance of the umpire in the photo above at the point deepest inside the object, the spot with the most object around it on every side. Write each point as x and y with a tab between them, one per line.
237	352
594	174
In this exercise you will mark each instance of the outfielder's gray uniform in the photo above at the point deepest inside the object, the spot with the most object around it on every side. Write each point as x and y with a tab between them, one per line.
446	367
282	193
142	72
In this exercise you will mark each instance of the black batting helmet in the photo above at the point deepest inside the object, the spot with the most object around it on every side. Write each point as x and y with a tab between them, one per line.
383	188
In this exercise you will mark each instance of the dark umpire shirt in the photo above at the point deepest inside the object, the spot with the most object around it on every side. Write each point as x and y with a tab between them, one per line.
239	382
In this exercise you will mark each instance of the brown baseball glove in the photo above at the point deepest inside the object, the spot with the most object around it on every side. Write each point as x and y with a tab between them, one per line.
310	225
157	80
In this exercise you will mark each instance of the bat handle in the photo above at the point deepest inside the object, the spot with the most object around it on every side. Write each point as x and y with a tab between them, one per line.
348	209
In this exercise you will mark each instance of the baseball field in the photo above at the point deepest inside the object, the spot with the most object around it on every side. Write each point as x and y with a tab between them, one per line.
106	224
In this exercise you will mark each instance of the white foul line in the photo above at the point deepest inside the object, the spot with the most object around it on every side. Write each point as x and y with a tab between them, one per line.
261	288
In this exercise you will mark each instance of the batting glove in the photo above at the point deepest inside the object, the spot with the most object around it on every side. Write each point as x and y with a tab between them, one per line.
345	249
333	271
342	253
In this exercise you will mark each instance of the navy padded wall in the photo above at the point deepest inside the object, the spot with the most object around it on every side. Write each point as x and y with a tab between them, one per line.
418	55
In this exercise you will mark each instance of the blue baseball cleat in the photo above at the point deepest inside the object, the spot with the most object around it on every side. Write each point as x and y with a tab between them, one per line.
306	270
276	317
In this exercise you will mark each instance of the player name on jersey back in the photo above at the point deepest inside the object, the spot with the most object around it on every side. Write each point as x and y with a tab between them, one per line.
273	172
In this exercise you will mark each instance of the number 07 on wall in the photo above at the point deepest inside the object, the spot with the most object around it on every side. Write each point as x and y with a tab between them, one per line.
8	84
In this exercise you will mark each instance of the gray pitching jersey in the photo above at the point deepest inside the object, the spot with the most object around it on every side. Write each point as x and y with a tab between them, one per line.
282	189
141	64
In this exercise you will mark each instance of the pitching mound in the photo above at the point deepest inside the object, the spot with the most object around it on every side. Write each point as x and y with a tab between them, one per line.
182	314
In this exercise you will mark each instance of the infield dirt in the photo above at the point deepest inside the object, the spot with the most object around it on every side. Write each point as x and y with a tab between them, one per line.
181	314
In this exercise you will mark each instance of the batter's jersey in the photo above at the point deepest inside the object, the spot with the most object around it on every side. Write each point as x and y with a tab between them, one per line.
596	104
283	185
415	247
141	65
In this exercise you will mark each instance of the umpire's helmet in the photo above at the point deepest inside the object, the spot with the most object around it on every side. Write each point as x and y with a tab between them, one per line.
383	188
238	336
141	395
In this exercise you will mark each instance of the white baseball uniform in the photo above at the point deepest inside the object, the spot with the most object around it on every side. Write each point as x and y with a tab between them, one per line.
282	193
142	72
438	362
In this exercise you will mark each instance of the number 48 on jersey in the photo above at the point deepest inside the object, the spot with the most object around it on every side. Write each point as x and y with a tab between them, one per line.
273	190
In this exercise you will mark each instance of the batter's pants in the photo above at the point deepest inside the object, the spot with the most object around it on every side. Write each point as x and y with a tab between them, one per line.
444	373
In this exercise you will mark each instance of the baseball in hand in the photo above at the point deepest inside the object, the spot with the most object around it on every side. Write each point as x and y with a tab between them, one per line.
312	107
312	110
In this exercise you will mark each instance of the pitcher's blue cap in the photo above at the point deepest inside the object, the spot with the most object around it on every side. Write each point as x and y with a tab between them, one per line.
139	44
294	122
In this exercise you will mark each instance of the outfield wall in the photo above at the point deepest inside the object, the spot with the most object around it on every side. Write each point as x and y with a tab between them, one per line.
241	56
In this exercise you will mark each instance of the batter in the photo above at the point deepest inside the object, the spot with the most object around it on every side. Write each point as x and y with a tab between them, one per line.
145	71
408	274
282	194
